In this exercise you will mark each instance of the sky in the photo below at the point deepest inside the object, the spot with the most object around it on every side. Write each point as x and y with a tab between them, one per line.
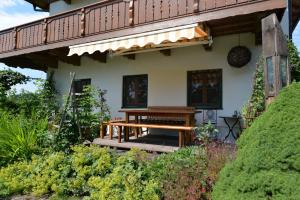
16	12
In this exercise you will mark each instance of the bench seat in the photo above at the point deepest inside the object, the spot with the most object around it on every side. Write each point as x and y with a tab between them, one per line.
184	131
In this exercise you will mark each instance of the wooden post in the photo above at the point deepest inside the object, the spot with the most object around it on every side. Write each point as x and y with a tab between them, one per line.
110	127
119	134
15	38
45	30
103	129
82	22
274	46
181	138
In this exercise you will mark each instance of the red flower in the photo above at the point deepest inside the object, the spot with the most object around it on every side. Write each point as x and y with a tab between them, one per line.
203	190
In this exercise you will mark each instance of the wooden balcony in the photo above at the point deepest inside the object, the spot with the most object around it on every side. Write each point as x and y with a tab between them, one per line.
114	18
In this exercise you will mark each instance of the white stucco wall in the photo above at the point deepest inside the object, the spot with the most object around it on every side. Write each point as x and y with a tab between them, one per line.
61	6
167	76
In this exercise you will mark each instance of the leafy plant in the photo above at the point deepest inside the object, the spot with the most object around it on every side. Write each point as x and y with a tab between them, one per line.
256	104
294	61
82	119
268	162
183	174
92	172
19	137
9	78
47	95
206	132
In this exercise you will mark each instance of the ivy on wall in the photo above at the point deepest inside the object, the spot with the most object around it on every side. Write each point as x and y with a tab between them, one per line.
256	104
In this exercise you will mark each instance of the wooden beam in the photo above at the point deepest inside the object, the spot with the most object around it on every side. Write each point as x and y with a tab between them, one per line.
130	56
43	60
101	57
62	55
23	62
166	52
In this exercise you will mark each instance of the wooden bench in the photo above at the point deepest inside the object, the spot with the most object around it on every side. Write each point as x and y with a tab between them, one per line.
105	125
183	130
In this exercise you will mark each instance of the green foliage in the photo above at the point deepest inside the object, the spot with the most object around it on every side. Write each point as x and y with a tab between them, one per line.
183	174
206	132
19	137
9	78
43	102
25	103
96	173
92	110
294	61
89	171
268	159
256	104
47	96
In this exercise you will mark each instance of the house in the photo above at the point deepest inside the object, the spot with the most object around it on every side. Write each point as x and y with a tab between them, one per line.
158	52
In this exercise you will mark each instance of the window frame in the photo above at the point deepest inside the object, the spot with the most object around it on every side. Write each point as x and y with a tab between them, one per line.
206	107
124	103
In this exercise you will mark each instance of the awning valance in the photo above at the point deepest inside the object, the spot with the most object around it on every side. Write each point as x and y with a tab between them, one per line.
172	35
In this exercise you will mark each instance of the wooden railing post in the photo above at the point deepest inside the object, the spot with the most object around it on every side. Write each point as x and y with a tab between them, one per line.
82	22
45	30
15	38
196	6
131	12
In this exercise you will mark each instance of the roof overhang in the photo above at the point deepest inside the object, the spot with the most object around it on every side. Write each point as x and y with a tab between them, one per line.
295	13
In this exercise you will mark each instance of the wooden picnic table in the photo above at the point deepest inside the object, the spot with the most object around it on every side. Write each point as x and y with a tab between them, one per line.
187	115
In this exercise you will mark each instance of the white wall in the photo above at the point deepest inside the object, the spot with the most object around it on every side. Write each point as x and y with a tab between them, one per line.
167	76
61	6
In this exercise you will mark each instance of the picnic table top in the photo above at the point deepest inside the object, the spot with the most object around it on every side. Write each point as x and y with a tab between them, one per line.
166	111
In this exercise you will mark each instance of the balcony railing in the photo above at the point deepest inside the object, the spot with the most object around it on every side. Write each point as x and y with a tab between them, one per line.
105	17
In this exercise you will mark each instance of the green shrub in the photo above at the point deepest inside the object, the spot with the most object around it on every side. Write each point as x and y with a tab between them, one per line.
92	172
19	137
268	158
294	61
183	174
96	173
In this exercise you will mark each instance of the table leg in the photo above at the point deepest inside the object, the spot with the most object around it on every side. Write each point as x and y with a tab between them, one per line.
126	129
119	134
136	130
230	129
187	133
110	127
181	138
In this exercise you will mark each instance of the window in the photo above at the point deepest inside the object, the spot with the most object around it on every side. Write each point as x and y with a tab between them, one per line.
283	71
205	89
79	85
135	91
270	76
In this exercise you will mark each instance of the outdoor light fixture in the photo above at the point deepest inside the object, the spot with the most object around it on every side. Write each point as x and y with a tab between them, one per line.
275	54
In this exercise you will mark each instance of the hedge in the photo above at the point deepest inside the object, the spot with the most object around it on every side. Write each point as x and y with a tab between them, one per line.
268	158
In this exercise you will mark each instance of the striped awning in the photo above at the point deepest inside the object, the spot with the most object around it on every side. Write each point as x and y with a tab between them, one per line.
172	35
